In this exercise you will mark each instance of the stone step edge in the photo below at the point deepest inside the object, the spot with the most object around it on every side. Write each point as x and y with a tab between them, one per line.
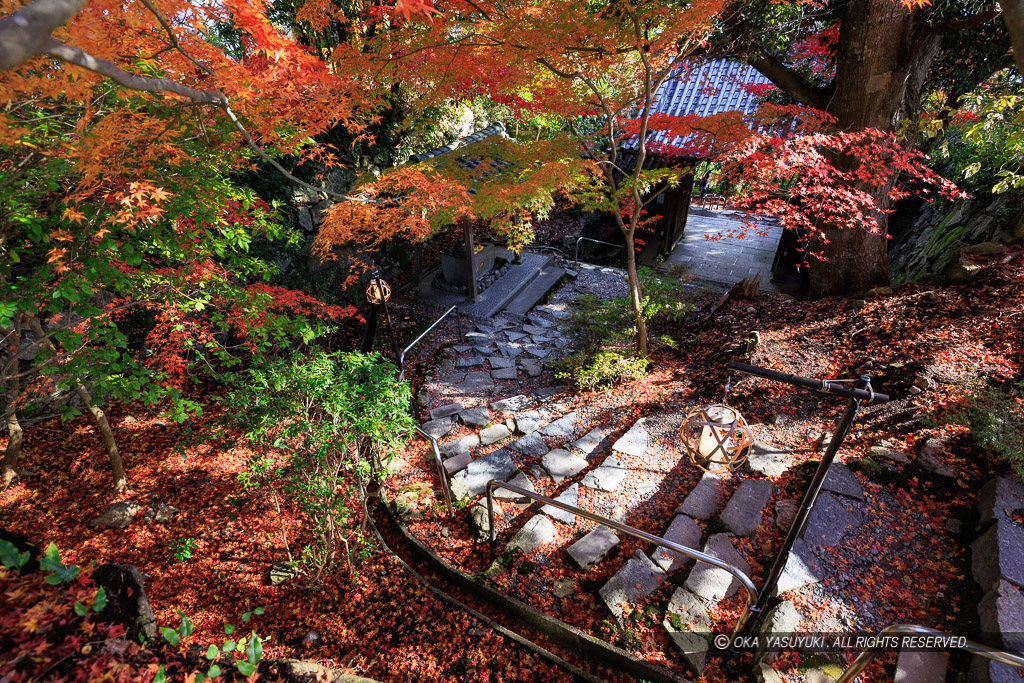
583	645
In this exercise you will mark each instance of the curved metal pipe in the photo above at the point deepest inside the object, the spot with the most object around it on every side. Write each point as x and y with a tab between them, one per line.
744	580
867	656
440	470
590	239
401	356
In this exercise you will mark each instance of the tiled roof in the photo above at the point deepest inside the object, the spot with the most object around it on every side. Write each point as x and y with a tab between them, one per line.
704	88
495	129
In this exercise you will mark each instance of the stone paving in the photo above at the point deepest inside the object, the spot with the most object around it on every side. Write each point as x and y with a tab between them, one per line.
725	259
529	433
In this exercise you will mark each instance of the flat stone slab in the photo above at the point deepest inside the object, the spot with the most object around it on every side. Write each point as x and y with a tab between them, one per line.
635	441
445	411
460	445
830	520
476	417
593	547
563	427
510	350
504	373
768	460
469	362
712	583
511	405
688	623
461	348
841	480
493	434
484	350
705	500
744	512
998	554
637	579
472	481
531	368
802	568
1001	612
999	496
607	476
531	444
530	421
457	463
683	531
515	336
538	531
476	382
499	362
539	321
570	497
439	427
534	329
921	667
562	464
520	480
538	352
592	440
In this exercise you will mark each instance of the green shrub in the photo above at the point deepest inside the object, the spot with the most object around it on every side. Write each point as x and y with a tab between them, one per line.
589	370
996	418
315	424
605	331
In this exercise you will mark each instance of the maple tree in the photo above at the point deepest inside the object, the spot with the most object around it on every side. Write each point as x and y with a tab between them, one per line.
117	203
866	73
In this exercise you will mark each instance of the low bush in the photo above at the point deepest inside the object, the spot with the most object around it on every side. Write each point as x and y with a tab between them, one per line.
606	332
317	425
590	370
995	416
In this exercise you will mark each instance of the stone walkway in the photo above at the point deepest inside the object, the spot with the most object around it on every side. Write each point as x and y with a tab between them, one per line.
504	427
725	259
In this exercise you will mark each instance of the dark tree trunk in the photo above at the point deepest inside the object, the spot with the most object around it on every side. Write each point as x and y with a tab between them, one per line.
880	46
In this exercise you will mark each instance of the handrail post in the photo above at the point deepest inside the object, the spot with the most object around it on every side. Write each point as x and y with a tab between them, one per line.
440	471
745	581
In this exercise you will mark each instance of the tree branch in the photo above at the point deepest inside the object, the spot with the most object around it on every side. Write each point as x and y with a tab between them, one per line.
789	81
960	24
24	33
73	55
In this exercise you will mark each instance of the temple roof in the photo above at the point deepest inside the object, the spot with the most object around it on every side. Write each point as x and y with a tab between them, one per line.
495	129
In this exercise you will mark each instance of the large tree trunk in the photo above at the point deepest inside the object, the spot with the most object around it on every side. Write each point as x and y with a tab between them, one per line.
873	62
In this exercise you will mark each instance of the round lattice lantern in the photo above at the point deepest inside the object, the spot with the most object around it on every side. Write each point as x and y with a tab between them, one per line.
716	438
378	292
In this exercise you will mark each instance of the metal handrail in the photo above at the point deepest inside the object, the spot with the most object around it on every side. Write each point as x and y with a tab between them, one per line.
867	656
440	470
744	580
401	356
591	239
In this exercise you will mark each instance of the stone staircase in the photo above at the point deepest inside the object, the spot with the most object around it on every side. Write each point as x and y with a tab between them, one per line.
528	441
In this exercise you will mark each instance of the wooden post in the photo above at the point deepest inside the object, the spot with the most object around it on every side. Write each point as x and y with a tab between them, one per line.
467	226
417	259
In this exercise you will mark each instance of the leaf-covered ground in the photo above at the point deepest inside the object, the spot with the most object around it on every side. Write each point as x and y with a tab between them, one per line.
383	624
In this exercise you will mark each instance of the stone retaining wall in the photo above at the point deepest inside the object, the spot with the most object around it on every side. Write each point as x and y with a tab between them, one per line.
997	563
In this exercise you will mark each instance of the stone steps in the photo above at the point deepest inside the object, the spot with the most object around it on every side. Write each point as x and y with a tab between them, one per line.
535	290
